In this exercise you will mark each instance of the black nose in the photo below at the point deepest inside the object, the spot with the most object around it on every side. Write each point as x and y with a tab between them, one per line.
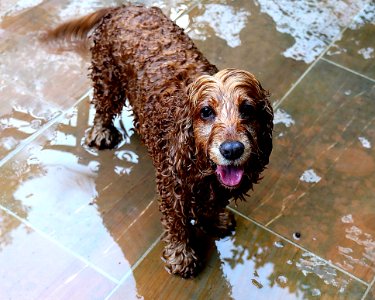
231	150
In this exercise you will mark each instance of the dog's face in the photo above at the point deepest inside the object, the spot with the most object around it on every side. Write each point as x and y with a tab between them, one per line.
232	123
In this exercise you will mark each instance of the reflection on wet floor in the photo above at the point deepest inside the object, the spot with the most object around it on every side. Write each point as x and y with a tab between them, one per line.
87	188
250	264
70	215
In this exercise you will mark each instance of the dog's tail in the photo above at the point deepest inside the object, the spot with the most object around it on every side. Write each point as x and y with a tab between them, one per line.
76	31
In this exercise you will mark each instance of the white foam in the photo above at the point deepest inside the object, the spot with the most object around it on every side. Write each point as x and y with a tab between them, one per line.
313	24
226	22
365	16
347	219
309	263
282	117
310	176
365	142
367	53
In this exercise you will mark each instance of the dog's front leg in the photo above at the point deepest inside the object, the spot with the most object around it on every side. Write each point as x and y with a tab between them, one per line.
109	99
179	256
102	134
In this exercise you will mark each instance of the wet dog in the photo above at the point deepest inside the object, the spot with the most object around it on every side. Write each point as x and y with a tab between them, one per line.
208	132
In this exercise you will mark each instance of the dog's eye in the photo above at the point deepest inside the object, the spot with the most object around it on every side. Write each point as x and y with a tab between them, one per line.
207	113
247	111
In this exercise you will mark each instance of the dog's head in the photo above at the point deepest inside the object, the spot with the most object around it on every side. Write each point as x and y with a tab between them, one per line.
232	124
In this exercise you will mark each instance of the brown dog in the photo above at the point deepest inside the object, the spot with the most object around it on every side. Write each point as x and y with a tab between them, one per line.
208	133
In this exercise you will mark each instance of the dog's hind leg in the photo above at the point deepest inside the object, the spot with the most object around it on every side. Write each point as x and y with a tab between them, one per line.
220	224
109	98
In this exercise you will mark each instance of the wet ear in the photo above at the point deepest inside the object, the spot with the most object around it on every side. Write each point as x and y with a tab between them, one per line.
183	143
266	123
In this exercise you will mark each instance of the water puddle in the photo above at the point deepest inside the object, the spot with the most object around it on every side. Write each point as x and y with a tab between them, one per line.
66	191
310	176
312	24
367	53
359	248
226	21
282	117
366	16
30	96
357	40
365	142
279	269
308	263
14	7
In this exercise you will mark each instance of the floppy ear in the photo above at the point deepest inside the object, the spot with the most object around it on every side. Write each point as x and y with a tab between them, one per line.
243	78
183	150
266	127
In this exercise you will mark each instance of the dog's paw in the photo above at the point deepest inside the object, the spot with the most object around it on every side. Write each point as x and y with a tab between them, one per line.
103	137
222	225
181	260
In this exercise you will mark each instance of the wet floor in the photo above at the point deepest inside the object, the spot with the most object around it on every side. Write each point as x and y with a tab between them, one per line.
81	224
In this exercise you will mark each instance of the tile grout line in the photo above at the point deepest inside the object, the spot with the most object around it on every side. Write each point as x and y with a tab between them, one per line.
348	69
137	263
297	245
45	127
371	285
296	83
58	244
153	245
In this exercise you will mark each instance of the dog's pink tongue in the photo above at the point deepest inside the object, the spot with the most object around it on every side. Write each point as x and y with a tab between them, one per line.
230	175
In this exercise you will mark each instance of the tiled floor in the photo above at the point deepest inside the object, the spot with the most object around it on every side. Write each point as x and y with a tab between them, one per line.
80	224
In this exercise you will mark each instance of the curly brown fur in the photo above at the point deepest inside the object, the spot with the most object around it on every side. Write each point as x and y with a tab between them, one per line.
185	110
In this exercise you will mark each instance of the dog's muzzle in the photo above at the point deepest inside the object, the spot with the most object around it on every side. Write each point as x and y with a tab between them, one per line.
230	175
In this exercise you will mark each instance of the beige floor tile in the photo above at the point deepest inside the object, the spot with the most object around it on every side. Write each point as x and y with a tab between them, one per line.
32	267
101	205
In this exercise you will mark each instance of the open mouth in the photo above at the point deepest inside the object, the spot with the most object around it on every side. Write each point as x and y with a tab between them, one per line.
230	176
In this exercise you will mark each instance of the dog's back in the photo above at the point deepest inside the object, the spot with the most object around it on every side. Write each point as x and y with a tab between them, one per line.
142	52
152	61
139	40
146	45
